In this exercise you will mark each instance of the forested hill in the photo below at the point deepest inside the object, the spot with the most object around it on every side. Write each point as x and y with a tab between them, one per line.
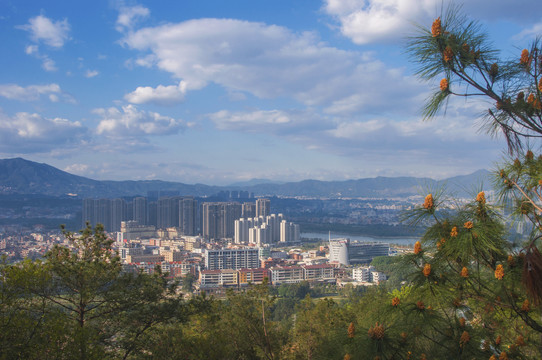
20	176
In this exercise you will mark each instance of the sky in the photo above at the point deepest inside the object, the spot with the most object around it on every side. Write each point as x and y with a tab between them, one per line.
220	92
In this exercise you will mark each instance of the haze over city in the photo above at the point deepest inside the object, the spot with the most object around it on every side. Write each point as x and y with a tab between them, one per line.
220	92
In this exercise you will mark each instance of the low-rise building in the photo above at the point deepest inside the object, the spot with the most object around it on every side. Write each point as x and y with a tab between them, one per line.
141	267
367	274
179	268
323	272
214	278
209	278
171	255
377	276
286	274
253	276
147	258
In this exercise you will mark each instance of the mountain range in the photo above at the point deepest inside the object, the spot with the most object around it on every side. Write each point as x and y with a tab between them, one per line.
20	176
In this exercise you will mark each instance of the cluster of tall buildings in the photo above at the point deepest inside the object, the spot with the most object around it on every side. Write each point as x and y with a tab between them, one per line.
217	219
246	223
108	212
176	211
261	230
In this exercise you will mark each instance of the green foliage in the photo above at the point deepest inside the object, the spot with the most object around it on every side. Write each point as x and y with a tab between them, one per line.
247	318
319	331
393	267
520	188
28	327
284	309
188	283
294	291
352	292
79	304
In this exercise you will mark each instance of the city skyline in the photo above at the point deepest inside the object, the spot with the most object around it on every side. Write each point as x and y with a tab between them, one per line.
218	93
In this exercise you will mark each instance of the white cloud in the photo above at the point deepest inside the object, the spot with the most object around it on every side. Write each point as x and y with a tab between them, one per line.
292	123
129	121
34	126
31	49
370	21
128	16
532	32
266	61
147	61
48	64
236	95
254	120
347	136
29	133
77	169
452	133
163	95
373	20
30	93
52	33
380	136
91	73
358	130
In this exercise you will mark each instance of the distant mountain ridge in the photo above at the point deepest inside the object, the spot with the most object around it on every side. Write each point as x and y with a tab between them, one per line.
253	182
20	176
379	187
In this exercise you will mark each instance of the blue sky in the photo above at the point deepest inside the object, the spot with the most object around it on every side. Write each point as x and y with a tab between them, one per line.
218	92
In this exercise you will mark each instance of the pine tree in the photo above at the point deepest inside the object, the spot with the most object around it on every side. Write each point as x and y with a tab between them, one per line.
475	295
79	304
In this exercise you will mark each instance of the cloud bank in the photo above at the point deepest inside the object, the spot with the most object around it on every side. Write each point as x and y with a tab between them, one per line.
32	133
266	61
371	21
129	121
50	32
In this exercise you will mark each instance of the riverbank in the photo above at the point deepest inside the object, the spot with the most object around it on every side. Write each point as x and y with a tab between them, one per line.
375	231
397	240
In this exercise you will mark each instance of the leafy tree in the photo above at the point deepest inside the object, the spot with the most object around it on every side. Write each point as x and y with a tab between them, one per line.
284	308
28	326
246	318
79	303
319	331
188	283
83	280
294	291
392	267
198	336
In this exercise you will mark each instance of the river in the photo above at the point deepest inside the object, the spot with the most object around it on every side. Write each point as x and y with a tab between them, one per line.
392	240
